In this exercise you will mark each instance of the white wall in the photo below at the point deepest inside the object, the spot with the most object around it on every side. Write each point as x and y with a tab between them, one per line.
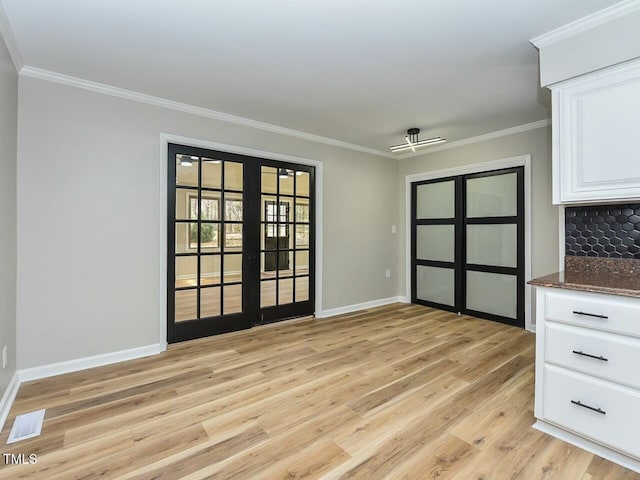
607	44
8	137
88	218
537	143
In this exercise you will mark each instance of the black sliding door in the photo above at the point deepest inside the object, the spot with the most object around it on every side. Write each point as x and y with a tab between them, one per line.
436	242
493	245
218	252
468	244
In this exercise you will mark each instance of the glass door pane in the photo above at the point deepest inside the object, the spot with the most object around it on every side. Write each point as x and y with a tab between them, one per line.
493	245
435	285
435	242
492	196
492	293
435	200
213	241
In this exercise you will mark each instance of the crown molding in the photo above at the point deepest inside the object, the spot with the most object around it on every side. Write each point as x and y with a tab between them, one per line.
608	71
10	40
482	138
104	89
585	23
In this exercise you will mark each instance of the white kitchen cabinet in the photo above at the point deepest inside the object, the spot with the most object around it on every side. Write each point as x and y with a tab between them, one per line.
587	375
596	136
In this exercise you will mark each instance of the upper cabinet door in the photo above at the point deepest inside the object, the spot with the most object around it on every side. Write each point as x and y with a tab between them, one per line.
596	136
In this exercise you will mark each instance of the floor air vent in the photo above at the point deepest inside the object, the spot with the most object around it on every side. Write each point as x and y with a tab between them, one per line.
25	426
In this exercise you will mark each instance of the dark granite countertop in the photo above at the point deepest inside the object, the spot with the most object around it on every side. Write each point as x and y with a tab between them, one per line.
598	275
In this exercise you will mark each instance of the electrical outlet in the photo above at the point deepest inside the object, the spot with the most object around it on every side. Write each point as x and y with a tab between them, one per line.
387	273
4	357
394	229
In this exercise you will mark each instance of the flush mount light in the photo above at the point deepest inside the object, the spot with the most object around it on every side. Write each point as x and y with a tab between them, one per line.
283	173
210	160
187	161
413	142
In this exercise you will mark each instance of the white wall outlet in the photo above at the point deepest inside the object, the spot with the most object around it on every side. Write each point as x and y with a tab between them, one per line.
387	273
394	229
4	357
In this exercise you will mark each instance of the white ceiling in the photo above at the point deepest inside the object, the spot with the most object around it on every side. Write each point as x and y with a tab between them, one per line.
361	71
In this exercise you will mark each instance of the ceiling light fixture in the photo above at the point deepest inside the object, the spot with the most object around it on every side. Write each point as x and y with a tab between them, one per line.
413	142
283	173
187	161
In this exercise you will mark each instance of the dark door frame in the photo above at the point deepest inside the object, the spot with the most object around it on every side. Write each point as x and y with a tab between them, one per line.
460	265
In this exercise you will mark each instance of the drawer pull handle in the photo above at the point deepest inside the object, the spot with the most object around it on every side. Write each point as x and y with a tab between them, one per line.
600	357
576	312
580	404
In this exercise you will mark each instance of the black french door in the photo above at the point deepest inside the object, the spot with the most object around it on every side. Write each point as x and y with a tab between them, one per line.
222	272
467	244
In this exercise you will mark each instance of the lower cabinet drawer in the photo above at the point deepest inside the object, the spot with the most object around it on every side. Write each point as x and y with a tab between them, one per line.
605	355
594	310
602	411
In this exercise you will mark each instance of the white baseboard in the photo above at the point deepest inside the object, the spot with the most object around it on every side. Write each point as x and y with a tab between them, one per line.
588	445
532	328
8	398
332	312
44	371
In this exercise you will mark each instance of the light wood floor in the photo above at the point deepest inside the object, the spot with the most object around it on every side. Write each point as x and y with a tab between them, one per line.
396	392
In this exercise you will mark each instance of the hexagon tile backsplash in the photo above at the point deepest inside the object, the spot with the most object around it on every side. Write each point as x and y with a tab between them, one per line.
609	231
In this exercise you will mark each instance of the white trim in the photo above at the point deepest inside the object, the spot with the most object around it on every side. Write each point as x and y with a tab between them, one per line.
165	139
603	74
588	445
585	23
105	89
482	138
7	399
520	161
561	237
162	306
332	312
44	371
555	144
528	191
10	40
